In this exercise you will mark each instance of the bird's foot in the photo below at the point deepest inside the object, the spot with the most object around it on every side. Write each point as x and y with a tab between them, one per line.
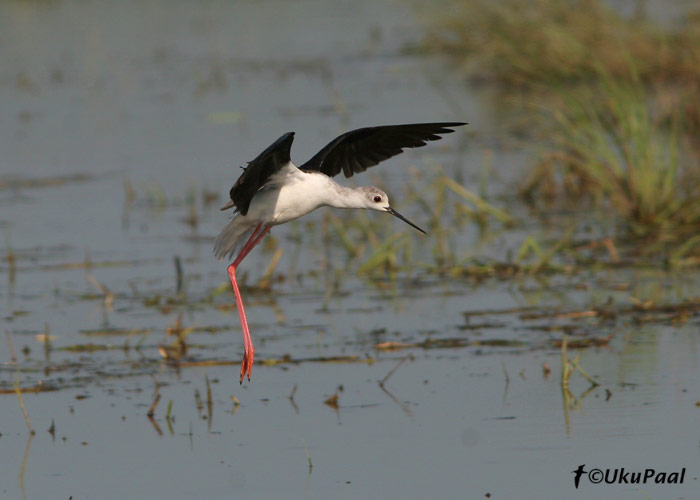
247	363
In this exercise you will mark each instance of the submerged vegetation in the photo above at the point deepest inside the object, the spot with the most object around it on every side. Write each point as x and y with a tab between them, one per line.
621	96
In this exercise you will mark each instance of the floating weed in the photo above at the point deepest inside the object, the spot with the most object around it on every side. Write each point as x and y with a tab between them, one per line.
291	399
332	401
17	388
393	370
306	450
179	280
448	343
23	467
152	408
11	260
569	366
528	246
34	389
169	418
406	409
108	295
89	347
17	182
155	197
12	267
198	401
46	341
178	348
210	402
545	257
584	343
88	264
236	403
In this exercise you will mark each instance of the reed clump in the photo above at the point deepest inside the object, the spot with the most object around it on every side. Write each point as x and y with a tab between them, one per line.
621	100
612	147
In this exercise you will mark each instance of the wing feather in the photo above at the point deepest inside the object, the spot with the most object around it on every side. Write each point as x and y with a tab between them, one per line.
357	150
258	171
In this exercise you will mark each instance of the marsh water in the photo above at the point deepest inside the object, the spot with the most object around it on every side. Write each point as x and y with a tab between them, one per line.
124	124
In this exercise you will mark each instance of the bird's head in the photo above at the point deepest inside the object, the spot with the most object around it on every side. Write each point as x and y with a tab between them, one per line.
376	199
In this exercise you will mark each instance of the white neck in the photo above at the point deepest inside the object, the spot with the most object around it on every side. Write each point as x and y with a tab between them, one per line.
345	197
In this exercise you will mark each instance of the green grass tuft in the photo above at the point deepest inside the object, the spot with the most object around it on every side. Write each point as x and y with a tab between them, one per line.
610	146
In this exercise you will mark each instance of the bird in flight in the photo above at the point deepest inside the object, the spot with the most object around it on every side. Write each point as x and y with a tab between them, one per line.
272	190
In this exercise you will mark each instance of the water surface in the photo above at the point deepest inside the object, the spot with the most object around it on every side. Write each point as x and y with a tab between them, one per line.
119	116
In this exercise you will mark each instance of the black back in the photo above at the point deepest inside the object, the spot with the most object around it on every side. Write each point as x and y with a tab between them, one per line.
259	171
357	150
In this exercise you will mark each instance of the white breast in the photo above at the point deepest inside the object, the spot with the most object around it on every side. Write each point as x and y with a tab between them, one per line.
290	194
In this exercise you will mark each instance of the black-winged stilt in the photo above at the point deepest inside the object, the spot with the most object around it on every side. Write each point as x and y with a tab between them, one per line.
272	191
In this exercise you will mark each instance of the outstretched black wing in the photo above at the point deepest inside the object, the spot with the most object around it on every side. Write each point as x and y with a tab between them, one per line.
258	172
357	150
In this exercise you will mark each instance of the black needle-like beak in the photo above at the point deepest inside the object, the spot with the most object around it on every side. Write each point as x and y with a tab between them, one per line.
396	214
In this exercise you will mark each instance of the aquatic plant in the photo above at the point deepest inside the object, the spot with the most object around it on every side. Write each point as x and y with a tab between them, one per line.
609	145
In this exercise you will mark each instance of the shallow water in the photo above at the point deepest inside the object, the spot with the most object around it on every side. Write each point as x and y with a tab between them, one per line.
102	95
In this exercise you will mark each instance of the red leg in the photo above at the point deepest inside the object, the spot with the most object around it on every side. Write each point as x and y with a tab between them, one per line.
252	241
247	364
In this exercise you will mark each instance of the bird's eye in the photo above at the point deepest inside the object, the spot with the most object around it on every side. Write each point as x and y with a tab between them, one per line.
377	199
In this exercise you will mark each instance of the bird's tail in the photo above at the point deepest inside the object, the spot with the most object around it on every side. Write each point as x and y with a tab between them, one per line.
231	237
